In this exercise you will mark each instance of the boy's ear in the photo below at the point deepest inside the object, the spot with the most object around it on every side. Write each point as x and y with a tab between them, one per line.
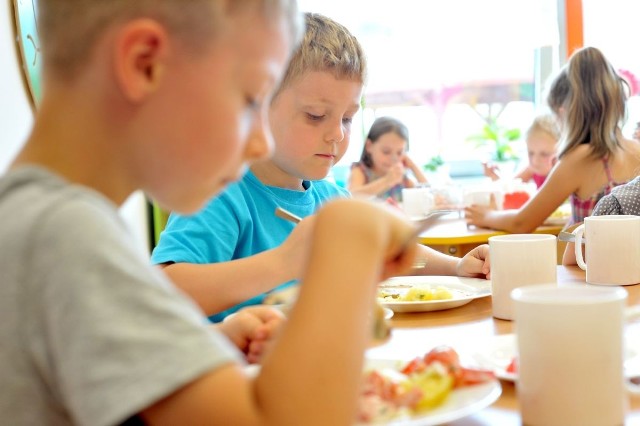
140	53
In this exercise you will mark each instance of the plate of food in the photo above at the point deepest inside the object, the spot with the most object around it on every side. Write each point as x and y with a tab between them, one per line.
560	216
500	355
430	292
430	390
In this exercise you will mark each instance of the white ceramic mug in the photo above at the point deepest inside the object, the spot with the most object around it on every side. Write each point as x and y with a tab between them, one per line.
518	260
417	202
570	354
612	249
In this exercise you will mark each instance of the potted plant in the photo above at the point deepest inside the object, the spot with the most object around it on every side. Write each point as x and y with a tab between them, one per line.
499	139
433	164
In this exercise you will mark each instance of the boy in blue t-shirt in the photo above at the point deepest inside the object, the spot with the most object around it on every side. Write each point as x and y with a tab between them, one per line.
235	250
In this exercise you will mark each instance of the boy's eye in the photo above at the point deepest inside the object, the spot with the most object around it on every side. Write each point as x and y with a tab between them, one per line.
252	103
314	117
347	121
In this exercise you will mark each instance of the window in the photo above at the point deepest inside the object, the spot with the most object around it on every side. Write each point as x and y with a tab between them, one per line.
442	66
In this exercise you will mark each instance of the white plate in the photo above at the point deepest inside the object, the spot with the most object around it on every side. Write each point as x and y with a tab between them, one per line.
464	291
496	354
556	221
388	313
460	403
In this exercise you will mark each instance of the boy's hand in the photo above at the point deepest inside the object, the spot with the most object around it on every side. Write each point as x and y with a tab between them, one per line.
379	226
252	329
294	250
476	263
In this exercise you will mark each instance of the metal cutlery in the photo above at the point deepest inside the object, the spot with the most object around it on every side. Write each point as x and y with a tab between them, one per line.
422	226
287	215
568	237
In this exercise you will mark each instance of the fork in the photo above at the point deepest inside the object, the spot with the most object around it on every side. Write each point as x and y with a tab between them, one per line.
424	224
569	237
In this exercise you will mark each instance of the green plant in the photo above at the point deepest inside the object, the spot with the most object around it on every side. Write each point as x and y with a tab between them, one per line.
499	138
433	164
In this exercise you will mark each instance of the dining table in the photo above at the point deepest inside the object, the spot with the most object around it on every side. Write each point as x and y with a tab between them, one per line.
470	328
451	235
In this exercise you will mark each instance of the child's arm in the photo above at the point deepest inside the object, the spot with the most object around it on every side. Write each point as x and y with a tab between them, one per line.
525	175
473	264
565	178
219	286
359	186
314	370
490	170
417	171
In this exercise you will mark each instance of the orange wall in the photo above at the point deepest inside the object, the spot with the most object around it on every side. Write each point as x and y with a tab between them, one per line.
573	24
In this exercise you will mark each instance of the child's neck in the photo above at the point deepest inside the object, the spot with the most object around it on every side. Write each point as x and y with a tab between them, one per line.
271	175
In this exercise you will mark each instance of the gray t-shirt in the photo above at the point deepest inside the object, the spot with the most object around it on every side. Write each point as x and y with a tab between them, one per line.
90	332
623	199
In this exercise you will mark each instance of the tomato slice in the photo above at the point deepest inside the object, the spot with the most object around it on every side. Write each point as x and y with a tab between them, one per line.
472	376
416	365
513	366
446	355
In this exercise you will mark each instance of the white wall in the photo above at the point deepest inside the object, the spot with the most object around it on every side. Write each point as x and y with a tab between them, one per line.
16	118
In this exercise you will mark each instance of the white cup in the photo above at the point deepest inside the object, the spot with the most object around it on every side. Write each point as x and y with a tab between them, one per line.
570	354
482	197
519	260
417	202
612	246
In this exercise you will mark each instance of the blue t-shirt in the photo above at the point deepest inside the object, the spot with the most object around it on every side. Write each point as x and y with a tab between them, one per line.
238	223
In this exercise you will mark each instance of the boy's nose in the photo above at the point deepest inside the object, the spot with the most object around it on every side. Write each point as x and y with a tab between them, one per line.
335	135
260	143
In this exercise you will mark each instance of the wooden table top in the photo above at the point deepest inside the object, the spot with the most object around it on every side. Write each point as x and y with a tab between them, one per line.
466	329
452	229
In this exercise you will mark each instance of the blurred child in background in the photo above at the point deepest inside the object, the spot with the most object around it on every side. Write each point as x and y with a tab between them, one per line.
541	139
384	164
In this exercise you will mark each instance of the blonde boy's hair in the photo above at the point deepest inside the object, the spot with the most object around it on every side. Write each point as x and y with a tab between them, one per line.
326	46
544	123
69	29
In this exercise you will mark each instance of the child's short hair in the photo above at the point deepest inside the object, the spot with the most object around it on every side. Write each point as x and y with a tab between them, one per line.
380	127
326	46
544	123
69	28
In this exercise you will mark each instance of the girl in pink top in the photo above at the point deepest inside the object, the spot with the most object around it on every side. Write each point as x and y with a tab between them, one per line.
588	99
541	138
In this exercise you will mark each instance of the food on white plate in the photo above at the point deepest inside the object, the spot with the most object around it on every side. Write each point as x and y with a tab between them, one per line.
562	212
416	387
414	294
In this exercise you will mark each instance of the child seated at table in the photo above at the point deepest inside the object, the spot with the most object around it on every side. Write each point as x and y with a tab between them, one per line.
235	251
541	139
384	166
588	97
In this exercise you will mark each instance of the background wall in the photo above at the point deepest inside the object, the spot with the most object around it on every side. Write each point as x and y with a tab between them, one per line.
16	118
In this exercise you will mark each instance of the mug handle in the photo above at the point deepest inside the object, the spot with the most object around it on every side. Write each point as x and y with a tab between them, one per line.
630	314
578	232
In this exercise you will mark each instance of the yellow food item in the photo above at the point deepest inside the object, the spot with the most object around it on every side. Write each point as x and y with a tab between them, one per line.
435	386
418	294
